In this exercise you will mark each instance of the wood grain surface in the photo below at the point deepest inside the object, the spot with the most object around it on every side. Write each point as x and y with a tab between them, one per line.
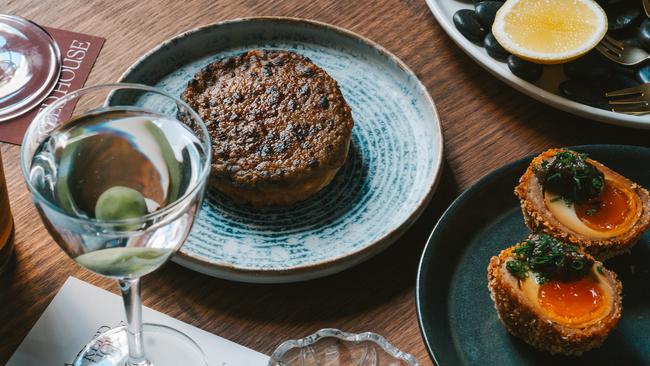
486	124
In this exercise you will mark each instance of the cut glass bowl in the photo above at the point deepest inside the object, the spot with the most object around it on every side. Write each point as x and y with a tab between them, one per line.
332	347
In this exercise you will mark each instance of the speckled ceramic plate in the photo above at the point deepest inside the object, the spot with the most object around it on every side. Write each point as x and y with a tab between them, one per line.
391	172
457	316
546	90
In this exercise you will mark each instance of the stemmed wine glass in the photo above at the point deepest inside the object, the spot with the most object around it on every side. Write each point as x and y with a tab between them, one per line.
118	186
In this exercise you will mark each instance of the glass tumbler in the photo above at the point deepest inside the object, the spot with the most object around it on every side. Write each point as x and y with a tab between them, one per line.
6	223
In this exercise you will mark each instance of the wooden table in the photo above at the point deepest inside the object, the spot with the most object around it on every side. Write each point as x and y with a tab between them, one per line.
486	124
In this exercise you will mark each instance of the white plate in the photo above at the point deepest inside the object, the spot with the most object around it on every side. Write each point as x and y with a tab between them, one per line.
444	10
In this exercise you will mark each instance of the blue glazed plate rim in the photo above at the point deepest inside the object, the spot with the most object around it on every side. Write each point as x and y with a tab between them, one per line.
334	264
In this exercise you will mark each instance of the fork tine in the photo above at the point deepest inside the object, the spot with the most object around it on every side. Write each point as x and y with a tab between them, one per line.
628	101
609	47
626	92
613	42
631	113
610	54
632	109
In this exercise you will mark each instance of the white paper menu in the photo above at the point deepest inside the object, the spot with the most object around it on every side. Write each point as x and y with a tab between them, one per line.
80	310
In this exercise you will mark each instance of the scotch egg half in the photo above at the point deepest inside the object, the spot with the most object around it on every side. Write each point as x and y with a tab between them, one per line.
606	225
565	317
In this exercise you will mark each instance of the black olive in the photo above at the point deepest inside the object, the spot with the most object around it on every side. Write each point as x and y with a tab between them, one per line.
468	24
619	81
591	66
571	176
524	69
643	74
623	17
486	11
644	34
494	49
584	92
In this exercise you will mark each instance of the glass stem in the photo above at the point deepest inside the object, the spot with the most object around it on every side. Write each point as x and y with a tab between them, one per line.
133	307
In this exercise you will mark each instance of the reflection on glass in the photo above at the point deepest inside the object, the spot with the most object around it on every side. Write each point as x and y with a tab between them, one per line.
30	62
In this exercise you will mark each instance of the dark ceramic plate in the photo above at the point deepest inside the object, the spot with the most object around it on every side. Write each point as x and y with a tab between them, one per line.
457	317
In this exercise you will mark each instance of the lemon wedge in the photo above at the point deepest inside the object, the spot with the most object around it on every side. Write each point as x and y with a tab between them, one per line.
549	31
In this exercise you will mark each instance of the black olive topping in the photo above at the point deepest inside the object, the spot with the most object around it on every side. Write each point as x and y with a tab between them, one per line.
549	258
569	175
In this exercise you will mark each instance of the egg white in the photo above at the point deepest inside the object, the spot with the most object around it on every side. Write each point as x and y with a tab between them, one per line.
566	214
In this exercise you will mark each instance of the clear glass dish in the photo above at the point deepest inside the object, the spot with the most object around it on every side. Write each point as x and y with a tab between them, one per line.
30	63
332	347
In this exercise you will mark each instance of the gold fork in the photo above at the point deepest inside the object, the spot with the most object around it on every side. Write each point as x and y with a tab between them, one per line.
634	101
621	53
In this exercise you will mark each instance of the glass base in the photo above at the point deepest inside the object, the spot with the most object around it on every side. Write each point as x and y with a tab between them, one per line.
164	346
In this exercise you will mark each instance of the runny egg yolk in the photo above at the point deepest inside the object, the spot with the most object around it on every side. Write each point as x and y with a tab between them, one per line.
577	300
609	211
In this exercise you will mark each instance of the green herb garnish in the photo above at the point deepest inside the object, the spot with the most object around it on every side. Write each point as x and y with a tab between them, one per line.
517	268
569	175
591	211
548	258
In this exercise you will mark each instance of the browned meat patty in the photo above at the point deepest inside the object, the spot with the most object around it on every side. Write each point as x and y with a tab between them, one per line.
279	125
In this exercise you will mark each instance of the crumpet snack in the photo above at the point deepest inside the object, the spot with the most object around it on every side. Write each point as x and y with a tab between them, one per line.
553	296
549	31
580	201
279	126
